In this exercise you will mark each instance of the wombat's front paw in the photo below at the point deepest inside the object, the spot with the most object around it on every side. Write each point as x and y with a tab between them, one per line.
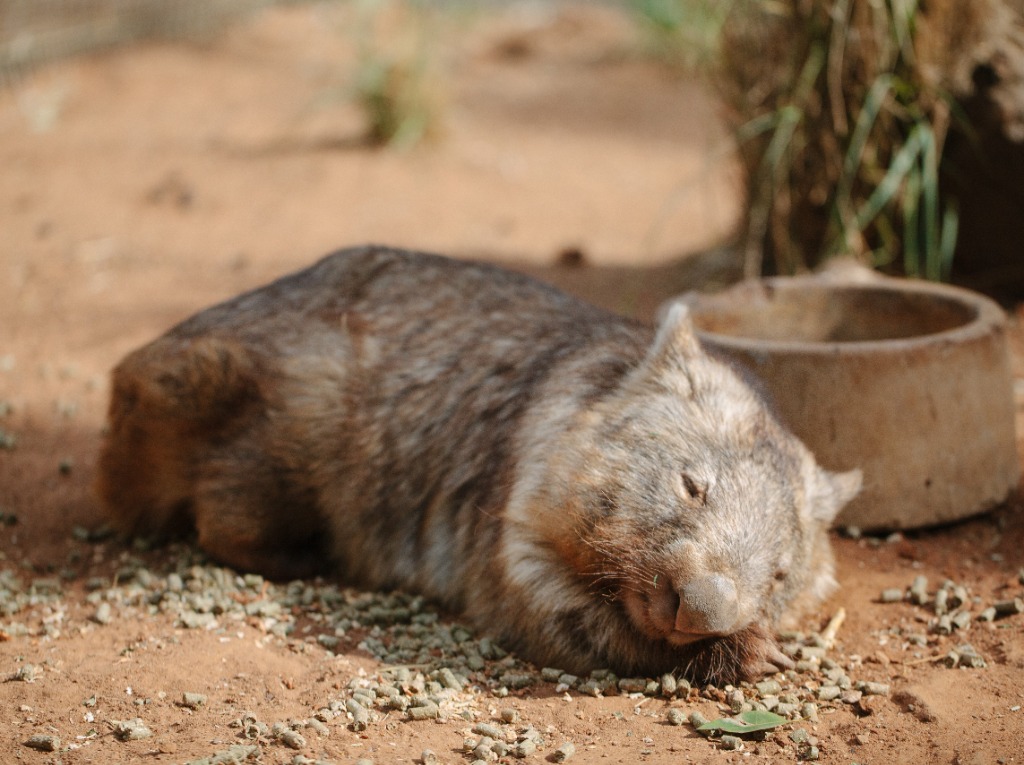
766	659
748	654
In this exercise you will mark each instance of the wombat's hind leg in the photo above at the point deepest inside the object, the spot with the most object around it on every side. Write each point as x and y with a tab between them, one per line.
169	401
252	517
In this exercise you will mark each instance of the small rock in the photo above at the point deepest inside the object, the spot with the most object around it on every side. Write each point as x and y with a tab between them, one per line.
866	705
675	716
26	673
799	736
130	730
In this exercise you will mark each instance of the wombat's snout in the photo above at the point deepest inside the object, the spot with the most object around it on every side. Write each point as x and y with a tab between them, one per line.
705	605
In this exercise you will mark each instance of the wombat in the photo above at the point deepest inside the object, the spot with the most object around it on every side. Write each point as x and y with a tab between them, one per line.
591	491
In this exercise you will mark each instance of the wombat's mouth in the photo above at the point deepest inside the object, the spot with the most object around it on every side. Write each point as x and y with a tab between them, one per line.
693	610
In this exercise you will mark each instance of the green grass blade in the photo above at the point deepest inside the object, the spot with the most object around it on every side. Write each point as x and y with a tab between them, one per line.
947	241
873	102
886	190
930	202
912	224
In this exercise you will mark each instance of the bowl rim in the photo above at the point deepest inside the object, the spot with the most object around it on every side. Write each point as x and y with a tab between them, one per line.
988	316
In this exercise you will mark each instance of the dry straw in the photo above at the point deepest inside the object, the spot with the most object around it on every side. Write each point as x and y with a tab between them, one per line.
842	109
840	134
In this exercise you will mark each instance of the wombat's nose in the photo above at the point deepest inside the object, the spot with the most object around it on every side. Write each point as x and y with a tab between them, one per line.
708	604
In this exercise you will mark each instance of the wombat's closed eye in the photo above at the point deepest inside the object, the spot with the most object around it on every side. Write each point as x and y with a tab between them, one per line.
464	432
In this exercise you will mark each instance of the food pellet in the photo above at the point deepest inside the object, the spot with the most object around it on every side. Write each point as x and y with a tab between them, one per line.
732	743
564	752
525	748
873	689
43	743
919	590
633	684
829	692
891	595
668	685
675	716
1009	607
961	620
509	715
293	739
486	729
428	711
768	687
192	700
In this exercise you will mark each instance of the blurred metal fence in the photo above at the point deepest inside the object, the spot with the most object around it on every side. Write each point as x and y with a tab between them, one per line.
33	32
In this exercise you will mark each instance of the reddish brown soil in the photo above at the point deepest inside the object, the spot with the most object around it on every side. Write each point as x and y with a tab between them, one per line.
139	186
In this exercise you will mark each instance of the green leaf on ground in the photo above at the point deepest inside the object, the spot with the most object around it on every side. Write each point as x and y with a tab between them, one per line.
747	722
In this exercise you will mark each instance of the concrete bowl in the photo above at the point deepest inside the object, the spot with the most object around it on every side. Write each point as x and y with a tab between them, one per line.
907	380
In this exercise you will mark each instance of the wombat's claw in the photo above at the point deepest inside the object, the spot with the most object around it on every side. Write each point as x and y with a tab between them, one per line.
768	661
776	660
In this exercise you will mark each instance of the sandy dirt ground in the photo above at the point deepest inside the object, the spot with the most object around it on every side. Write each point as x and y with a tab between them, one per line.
139	186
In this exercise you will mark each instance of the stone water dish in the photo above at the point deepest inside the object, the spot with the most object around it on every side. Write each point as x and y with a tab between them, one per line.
907	380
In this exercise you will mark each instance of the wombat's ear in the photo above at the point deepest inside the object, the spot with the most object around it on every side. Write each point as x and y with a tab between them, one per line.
831	491
676	337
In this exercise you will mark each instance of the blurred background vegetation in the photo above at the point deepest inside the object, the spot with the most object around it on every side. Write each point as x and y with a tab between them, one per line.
889	130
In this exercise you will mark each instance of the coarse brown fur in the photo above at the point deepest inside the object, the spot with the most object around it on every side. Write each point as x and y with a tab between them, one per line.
589	491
